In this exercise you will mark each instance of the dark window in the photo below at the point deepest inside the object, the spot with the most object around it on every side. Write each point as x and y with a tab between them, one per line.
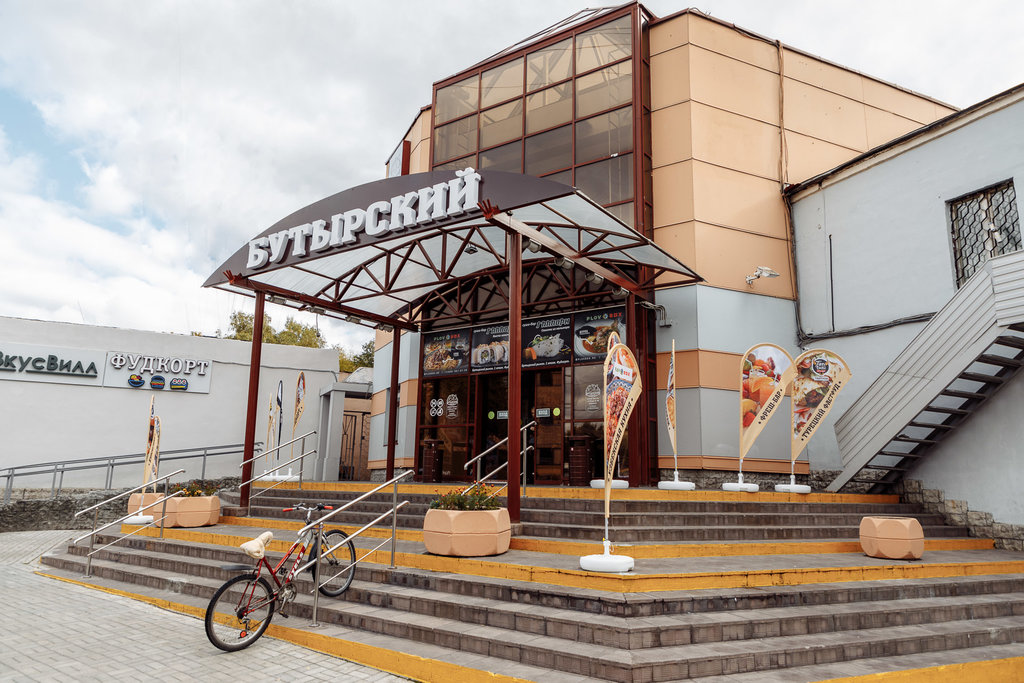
456	100
549	108
505	158
455	139
549	151
608	181
604	135
984	224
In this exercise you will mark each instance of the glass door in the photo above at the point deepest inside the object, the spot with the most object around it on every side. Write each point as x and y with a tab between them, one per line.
543	397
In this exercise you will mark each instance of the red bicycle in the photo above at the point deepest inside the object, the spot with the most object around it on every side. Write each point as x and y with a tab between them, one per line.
241	609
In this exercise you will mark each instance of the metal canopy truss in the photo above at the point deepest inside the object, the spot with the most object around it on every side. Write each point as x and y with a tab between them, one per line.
574	252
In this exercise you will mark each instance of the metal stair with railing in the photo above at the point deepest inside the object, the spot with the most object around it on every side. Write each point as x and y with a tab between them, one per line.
957	362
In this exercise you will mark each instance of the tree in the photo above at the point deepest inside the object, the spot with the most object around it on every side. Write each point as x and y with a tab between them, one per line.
364	358
294	332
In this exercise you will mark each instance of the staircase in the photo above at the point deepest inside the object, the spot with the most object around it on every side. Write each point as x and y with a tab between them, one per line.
756	587
959	360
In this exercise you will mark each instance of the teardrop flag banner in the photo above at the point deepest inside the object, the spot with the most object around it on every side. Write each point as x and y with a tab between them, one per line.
300	405
280	416
670	405
622	387
820	376
151	468
765	372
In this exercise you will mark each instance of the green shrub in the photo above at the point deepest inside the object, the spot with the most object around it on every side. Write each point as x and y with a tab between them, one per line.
479	498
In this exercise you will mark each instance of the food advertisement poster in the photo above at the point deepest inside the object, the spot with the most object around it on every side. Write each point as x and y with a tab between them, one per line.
591	331
670	399
445	353
765	372
489	350
622	387
820	375
300	399
546	341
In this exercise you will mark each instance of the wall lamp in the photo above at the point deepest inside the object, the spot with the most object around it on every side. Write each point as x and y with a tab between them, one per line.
563	262
384	327
595	278
354	319
761	271
533	245
620	293
274	299
470	249
316	309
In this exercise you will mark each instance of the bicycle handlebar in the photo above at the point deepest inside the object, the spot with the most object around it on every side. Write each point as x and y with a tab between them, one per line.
308	508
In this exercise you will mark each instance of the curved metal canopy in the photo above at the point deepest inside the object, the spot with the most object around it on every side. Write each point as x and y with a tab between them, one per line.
428	246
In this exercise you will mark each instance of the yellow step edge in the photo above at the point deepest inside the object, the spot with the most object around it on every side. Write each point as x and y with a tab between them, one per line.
1009	670
395	662
638	583
570	493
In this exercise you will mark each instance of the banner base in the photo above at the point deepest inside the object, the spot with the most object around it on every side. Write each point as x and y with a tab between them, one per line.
139	520
740	486
280	477
616	484
676	485
792	488
606	562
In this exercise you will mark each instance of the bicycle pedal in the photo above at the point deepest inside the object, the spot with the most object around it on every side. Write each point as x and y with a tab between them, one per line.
283	614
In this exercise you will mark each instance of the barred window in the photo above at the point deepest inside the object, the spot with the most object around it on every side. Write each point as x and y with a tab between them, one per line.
984	224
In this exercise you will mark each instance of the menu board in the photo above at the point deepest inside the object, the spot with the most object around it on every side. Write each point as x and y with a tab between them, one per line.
445	353
591	330
546	341
489	350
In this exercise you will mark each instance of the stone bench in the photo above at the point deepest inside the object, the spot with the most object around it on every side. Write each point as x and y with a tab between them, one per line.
892	538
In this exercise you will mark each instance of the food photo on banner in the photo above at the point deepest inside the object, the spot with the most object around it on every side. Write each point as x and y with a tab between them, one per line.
489	348
546	341
766	370
820	376
591	331
445	353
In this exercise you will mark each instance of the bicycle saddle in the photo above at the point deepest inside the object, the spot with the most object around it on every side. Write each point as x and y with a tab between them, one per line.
257	547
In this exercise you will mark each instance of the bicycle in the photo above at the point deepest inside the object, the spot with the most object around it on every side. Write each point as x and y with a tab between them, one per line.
241	609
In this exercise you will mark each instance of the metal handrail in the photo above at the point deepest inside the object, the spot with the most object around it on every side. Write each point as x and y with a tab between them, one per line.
480	480
96	516
58	468
269	472
319	525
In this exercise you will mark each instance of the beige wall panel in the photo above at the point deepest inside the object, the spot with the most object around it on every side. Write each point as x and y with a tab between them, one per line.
378	402
381	339
687	369
411	462
726	257
825	115
673	193
671	138
409	393
670	77
678	241
733	85
744	144
903	103
810	156
720	370
669	34
883	126
737	200
822	75
727	41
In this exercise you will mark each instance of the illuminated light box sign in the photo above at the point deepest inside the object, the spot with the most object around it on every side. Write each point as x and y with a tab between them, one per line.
446	353
31	363
546	341
168	374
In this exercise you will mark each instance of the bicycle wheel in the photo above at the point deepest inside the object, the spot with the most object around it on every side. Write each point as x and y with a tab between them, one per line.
339	567
239	612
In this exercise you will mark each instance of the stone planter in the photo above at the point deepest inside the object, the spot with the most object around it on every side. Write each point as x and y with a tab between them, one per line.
182	511
892	538
467	533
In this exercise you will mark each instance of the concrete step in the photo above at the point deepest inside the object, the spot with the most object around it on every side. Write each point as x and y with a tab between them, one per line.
674	518
669	534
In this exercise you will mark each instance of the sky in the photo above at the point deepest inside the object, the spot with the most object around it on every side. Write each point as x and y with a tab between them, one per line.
142	143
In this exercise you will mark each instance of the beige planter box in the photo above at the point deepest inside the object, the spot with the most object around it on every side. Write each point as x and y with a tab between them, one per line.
181	511
467	533
892	538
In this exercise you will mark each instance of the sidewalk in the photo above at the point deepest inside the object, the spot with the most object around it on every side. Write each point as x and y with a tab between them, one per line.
55	631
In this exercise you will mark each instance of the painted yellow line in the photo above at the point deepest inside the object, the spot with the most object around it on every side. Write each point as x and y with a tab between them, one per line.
392	661
570	493
267	523
1009	670
648	552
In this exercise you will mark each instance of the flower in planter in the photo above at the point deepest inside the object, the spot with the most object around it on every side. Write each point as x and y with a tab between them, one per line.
478	498
196	487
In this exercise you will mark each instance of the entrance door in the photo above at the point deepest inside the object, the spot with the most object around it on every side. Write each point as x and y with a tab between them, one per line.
492	421
543	401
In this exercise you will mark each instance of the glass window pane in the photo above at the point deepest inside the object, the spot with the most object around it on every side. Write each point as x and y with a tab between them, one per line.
548	108
624	212
455	139
505	158
501	83
604	89
607	181
458	164
604	135
456	100
604	44
549	65
501	124
565	177
549	151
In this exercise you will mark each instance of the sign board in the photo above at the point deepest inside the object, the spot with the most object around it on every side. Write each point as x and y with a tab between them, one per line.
31	363
131	370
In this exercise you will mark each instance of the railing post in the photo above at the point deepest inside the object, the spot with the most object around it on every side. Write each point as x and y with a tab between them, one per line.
202	476
394	523
92	542
53	481
110	474
60	483
302	463
9	486
318	538
163	508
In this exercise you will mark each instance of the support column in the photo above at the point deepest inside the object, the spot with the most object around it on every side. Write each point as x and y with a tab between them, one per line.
637	424
514	250
255	358
392	409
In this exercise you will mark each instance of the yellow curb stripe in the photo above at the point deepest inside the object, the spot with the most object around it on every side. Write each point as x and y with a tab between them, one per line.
569	493
391	661
1010	670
